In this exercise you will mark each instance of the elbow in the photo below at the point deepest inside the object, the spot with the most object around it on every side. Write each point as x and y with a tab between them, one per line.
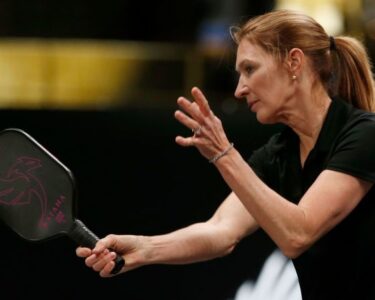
223	239
228	246
295	246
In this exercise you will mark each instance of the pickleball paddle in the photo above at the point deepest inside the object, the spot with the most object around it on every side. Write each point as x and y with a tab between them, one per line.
37	193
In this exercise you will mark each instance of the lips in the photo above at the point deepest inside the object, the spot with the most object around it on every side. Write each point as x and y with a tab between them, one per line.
252	103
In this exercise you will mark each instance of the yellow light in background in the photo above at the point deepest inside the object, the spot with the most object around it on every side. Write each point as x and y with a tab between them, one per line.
21	74
90	74
328	13
45	73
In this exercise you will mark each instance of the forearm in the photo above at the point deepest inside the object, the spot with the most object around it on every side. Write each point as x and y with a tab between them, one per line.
197	242
202	241
284	221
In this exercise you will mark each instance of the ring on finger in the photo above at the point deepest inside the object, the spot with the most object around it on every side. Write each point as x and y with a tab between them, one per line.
197	131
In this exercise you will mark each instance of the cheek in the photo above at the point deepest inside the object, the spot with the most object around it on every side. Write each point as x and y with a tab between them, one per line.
260	84
271	85
273	95
277	89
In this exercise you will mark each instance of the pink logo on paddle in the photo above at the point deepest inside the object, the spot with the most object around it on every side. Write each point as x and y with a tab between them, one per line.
55	212
19	186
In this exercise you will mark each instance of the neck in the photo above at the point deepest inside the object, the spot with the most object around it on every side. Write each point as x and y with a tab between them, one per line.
306	117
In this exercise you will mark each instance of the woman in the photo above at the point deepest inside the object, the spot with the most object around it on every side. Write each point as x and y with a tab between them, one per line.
310	187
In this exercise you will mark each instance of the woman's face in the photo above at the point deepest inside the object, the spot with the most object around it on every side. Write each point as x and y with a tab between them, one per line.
263	81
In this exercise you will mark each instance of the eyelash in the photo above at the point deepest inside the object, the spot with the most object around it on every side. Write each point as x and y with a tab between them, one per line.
249	69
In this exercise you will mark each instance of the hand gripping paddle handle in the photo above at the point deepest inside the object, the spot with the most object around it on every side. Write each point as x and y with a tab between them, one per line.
86	238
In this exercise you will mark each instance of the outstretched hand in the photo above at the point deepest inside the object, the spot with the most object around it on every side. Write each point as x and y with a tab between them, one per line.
101	258
208	133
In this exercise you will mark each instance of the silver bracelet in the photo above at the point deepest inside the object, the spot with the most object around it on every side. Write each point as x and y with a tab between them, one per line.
216	157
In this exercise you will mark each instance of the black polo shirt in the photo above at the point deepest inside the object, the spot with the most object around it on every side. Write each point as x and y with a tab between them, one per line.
341	264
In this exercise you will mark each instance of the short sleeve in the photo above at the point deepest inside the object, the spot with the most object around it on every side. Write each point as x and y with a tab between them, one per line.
354	152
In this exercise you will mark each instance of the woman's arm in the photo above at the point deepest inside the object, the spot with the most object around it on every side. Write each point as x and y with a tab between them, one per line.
294	228
201	241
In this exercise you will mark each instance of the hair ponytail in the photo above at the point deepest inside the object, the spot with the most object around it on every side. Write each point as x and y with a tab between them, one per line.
352	73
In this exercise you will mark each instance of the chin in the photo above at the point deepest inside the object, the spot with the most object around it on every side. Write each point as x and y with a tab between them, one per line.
265	118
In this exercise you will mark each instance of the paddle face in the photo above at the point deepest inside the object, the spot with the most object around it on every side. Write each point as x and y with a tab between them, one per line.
36	190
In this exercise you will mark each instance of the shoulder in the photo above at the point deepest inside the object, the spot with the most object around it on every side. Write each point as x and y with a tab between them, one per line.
360	127
354	148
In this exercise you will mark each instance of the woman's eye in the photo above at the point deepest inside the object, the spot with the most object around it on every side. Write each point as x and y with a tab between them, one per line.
249	69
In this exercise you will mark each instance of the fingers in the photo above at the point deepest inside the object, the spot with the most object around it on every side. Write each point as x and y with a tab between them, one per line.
102	263
187	121
185	142
93	259
83	252
106	271
198	109
197	129
104	260
193	116
201	100
191	109
100	259
105	243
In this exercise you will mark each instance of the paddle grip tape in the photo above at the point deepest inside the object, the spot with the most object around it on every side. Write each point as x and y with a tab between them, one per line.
86	238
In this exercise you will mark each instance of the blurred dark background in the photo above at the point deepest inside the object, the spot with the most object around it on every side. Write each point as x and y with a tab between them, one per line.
131	176
118	19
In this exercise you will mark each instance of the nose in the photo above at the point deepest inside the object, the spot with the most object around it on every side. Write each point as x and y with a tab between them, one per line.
241	90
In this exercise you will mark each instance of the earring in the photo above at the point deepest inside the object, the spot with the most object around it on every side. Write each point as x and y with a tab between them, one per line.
294	77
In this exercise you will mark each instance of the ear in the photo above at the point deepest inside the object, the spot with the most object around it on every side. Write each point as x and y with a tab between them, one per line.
295	60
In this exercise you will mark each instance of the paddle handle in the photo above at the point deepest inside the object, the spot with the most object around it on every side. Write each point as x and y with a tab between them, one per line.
86	238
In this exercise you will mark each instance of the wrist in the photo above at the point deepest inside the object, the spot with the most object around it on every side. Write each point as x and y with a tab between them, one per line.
148	255
215	158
